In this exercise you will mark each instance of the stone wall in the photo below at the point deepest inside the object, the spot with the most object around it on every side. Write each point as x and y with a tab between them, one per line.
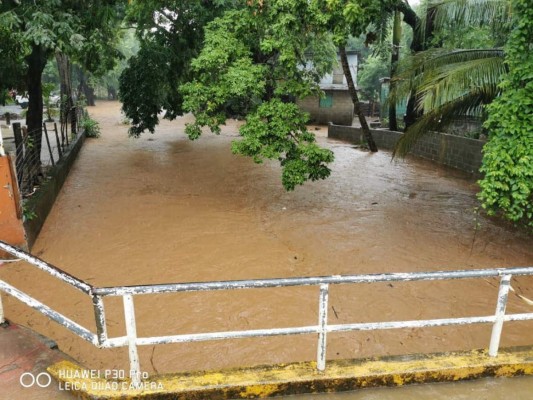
454	151
341	111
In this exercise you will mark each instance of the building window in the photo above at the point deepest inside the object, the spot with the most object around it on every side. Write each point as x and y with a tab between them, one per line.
326	101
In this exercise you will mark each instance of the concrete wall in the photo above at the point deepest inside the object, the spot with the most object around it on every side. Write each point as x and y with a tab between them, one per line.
454	151
42	201
341	112
464	125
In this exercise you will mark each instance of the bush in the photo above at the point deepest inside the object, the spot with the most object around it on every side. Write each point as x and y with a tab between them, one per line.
507	187
91	127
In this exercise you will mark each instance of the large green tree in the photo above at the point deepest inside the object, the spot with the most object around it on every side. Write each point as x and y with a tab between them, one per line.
38	30
11	54
256	61
454	82
170	34
447	82
507	186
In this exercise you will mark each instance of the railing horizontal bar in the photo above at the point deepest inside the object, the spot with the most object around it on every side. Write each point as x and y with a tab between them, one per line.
72	326
199	337
44	266
307	281
518	317
370	326
110	343
366	326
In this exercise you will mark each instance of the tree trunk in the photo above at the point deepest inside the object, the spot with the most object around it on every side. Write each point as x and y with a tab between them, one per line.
34	118
111	93
413	20
395	56
423	42
65	76
417	44
420	43
85	89
355	99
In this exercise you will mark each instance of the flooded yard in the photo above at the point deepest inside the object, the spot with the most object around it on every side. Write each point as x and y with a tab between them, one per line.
164	209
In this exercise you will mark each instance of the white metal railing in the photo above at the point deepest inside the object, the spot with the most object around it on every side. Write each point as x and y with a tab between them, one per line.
322	328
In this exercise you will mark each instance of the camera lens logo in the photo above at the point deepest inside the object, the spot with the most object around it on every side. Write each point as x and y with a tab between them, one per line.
43	379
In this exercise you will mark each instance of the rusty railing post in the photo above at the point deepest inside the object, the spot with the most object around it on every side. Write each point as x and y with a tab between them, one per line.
59	144
19	153
48	144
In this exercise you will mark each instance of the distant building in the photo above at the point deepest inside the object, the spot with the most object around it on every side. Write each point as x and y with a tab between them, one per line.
336	106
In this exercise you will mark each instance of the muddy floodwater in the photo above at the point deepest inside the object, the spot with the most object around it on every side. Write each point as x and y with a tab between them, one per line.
162	209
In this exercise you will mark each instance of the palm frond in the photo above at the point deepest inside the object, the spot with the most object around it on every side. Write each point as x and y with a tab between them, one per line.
443	13
413	72
449	82
468	104
473	12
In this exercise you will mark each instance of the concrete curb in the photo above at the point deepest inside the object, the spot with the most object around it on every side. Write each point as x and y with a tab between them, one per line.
298	378
43	200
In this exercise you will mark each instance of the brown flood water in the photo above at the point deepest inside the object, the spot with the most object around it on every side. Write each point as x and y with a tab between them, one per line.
164	209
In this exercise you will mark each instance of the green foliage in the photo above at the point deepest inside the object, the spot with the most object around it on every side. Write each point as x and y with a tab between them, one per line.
450	83
143	88
371	71
11	53
127	46
32	32
447	84
170	35
52	24
27	213
226	76
277	130
47	91
507	186
496	15
471	37
255	62
91	127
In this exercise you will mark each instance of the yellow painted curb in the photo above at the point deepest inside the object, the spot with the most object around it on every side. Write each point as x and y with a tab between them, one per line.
295	378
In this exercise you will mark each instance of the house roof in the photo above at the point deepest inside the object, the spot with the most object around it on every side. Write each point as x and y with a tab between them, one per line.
332	86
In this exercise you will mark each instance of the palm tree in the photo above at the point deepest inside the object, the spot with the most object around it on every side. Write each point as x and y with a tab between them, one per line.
451	83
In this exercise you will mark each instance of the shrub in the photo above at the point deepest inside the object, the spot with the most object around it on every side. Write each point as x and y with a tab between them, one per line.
91	127
507	187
